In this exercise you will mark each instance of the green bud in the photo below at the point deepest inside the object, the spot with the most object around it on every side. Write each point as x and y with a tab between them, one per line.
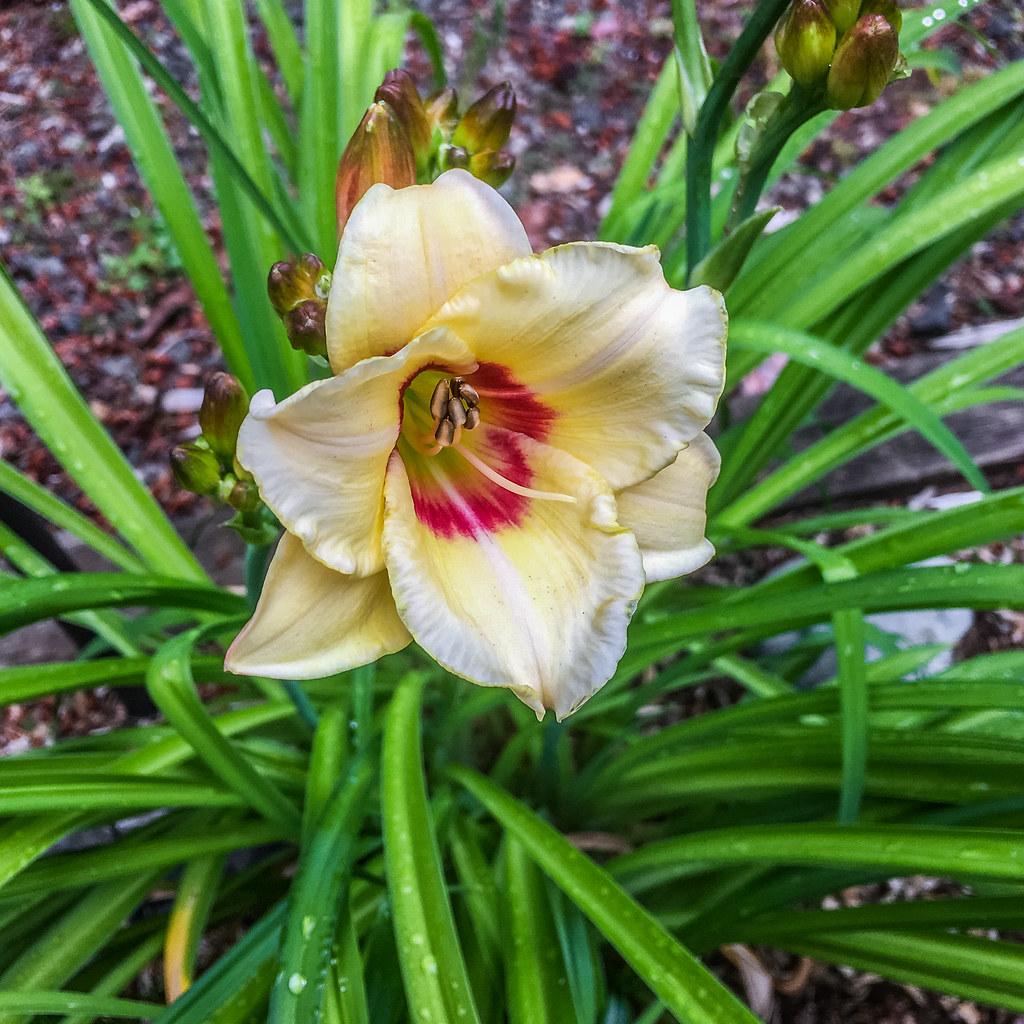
805	39
195	468
379	151
487	123
225	405
443	112
863	63
449	156
492	167
843	12
399	92
244	497
888	9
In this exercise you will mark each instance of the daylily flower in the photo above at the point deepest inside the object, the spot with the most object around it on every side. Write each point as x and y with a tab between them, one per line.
510	448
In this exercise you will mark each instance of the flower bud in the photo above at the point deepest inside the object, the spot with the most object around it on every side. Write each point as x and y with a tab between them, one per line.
487	123
306	327
863	63
243	496
449	156
492	167
843	12
442	111
195	468
298	290
293	281
399	92
220	416
379	151
805	39
888	9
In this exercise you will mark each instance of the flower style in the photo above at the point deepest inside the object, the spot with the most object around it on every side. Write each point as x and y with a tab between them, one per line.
510	448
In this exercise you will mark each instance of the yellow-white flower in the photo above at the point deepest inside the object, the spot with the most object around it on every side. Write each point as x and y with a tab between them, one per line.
510	448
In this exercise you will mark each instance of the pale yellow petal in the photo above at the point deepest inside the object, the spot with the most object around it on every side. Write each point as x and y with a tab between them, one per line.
625	368
528	593
404	252
668	513
319	457
312	621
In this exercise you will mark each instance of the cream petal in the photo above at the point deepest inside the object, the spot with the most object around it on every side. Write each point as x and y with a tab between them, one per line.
627	368
668	512
319	457
506	590
312	621
404	252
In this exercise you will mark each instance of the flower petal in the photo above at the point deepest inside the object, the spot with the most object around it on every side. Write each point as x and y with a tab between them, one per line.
628	369
311	621
319	457
668	513
535	595
404	252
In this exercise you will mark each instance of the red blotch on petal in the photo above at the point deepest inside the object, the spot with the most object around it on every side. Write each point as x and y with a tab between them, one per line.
506	402
460	501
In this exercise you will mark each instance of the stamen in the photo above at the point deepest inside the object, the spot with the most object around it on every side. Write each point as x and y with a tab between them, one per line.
454	405
439	399
495	477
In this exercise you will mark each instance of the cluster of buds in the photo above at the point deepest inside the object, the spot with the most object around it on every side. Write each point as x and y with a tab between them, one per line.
849	49
208	465
298	290
404	139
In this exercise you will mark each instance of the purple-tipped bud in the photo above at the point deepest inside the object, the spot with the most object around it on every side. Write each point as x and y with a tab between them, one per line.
492	167
195	468
805	39
863	63
293	281
306	328
298	291
400	93
843	12
487	123
379	151
888	9
225	405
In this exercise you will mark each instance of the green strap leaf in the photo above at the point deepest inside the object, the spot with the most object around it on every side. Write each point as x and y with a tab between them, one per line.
63	516
433	970
933	850
52	1003
679	980
844	366
24	601
318	894
173	690
163	176
40	387
214	139
538	990
28	682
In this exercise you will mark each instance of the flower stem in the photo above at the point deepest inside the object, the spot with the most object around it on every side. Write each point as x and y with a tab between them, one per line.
702	143
795	110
